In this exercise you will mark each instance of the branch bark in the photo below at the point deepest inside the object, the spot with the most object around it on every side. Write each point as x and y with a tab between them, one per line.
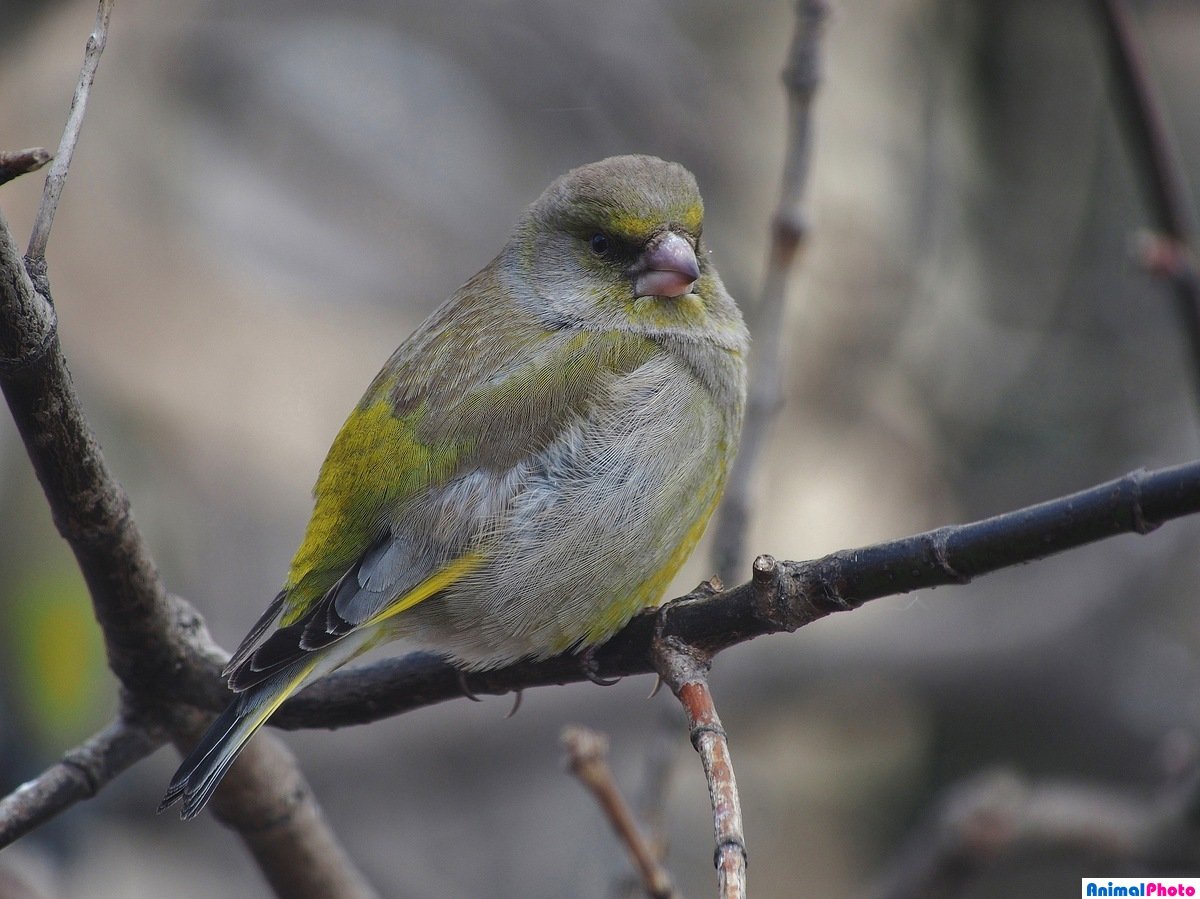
684	669
15	163
81	774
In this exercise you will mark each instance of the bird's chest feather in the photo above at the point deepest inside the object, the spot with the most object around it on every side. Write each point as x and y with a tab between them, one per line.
599	520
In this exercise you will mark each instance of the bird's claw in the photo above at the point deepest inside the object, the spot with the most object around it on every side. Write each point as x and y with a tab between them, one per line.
465	688
591	670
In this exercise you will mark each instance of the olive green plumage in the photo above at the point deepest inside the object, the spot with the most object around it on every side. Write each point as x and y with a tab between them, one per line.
530	468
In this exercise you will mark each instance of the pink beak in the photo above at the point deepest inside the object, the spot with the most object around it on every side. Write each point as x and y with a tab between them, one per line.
667	268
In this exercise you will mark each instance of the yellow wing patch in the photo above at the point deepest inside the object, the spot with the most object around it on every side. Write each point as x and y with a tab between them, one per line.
375	462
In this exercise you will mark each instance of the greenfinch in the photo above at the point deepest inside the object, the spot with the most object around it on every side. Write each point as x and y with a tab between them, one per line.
530	468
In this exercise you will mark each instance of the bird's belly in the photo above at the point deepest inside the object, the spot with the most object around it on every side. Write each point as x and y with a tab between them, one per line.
605	517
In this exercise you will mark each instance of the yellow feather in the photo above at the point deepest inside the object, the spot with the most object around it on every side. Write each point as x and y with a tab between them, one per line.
439	580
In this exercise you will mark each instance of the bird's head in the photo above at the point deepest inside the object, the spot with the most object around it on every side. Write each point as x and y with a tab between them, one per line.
616	244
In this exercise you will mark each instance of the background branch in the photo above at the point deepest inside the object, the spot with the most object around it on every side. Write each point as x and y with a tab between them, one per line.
802	77
998	813
1156	161
587	753
659	757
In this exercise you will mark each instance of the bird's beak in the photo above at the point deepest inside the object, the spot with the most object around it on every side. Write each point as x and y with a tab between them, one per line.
666	268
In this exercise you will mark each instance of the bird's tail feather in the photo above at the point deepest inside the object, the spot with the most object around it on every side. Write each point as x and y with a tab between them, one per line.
200	773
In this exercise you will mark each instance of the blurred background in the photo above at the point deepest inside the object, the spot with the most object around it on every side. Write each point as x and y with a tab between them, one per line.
268	196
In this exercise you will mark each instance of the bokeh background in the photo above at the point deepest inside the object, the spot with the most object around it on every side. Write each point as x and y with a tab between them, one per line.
269	195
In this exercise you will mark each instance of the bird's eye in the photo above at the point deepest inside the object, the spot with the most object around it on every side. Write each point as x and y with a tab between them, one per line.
599	244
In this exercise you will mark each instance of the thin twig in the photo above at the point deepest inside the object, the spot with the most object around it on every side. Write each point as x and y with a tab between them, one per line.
1157	163
586	757
80	774
57	176
802	76
660	756
15	163
684	669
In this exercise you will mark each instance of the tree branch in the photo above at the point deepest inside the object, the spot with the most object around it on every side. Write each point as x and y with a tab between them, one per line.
684	669
151	638
659	758
783	596
15	163
140	624
80	774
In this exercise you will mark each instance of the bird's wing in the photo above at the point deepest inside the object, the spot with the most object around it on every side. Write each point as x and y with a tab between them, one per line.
417	474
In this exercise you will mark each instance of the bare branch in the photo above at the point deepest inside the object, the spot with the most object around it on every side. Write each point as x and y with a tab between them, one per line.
684	669
586	757
80	774
57	175
1157	163
802	76
15	163
782	597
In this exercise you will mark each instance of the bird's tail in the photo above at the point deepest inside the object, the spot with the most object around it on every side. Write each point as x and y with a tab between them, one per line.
202	770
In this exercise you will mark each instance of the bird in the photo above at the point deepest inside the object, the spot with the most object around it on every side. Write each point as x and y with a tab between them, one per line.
530	467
